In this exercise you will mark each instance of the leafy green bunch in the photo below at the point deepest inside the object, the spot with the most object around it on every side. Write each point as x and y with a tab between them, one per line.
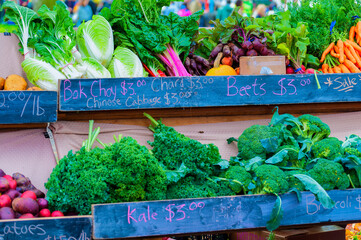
120	172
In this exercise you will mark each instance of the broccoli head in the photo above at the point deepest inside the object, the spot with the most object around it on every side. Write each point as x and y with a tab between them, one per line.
271	179
239	178
329	174
291	159
329	148
192	187
253	140
295	182
352	151
311	128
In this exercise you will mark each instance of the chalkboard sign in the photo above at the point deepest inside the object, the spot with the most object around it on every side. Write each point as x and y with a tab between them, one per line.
65	228
170	217
28	107
173	92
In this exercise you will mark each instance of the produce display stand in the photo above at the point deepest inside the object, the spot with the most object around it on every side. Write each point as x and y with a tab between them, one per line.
192	100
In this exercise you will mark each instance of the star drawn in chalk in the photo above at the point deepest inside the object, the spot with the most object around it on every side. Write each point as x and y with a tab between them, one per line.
329	82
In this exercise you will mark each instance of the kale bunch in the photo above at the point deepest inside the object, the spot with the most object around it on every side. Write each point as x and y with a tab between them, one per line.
121	172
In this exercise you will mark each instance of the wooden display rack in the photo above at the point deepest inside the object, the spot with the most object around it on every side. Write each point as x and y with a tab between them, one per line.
204	100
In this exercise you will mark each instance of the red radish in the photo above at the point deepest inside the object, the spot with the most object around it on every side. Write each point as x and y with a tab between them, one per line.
27	215
303	67
57	214
44	213
8	177
290	70
4	184
5	201
310	71
29	194
12	184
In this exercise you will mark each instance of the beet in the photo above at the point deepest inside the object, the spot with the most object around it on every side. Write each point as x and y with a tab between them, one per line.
22	181
264	51
247	45
216	50
252	52
240	53
4	184
257	45
226	51
2	173
7	213
271	52
13	193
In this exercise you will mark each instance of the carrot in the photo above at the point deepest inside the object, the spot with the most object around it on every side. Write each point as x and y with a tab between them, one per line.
334	54
336	49
349	55
351	36
328	49
324	68
337	69
340	48
351	66
355	55
344	69
358	28
354	45
330	70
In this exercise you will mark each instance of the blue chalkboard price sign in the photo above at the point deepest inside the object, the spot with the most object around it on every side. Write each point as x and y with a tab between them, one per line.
28	107
173	92
65	228
171	217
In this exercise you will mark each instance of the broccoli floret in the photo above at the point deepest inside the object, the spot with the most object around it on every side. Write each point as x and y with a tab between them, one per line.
271	179
238	178
172	149
295	182
329	148
352	151
312	129
291	159
252	141
329	174
191	187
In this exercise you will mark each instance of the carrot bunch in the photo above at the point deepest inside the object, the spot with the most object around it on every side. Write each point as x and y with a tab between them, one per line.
346	51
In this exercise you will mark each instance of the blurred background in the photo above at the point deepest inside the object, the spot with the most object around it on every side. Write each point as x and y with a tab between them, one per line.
83	10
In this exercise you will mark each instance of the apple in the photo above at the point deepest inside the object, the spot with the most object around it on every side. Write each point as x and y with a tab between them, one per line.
12	184
8	177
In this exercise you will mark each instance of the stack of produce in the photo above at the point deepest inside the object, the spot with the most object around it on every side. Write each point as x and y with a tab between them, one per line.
291	154
53	50
20	199
15	82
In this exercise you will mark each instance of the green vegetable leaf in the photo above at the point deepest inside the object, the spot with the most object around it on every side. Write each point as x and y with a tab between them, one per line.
278	157
317	189
176	175
253	163
224	164
276	215
270	144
